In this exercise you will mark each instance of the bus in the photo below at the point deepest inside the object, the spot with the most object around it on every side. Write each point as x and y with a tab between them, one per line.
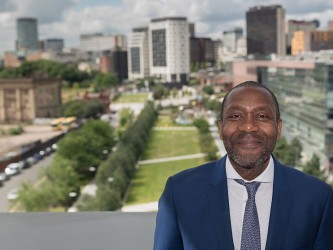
64	123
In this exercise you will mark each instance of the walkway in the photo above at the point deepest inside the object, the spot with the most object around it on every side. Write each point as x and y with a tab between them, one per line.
219	143
175	158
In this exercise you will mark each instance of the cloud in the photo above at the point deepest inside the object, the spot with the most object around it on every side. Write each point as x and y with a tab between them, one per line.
6	5
45	11
69	18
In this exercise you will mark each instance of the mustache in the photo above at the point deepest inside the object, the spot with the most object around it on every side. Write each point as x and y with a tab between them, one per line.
247	136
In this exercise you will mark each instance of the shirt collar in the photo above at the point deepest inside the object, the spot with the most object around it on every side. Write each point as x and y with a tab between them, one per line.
266	176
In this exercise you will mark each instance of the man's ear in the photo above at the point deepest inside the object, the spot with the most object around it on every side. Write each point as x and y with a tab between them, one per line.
220	123
279	129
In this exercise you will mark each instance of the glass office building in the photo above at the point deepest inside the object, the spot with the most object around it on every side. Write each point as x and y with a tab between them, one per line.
306	103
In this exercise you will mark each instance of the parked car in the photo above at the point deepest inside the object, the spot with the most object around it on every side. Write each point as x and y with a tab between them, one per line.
4	177
12	194
31	160
14	168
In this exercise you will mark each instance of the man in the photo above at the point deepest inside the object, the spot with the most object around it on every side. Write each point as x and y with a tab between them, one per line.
212	207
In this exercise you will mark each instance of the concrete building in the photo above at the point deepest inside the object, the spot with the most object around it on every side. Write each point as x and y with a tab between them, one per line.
114	62
330	25
13	59
311	41
169	49
53	44
231	37
304	88
202	51
26	99
296	25
99	42
138	54
265	27
27	34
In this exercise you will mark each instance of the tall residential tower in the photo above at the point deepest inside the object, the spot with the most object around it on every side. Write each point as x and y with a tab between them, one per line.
27	34
169	47
138	54
266	30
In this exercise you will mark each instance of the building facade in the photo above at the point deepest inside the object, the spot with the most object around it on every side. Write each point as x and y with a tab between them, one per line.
138	54
27	34
53	44
99	42
311	41
169	49
114	62
296	25
231	37
265	27
26	99
202	51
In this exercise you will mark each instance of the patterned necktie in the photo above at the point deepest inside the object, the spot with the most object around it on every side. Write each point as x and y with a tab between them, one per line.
251	229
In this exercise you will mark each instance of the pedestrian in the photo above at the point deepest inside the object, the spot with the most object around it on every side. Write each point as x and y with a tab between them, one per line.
247	200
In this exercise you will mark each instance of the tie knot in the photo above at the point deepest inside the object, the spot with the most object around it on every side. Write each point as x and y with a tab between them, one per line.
251	187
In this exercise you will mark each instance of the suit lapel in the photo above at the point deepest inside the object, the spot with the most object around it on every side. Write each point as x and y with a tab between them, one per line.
219	205
281	207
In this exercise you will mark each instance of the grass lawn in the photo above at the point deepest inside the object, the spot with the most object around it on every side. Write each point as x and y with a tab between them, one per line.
168	143
149	180
166	121
132	98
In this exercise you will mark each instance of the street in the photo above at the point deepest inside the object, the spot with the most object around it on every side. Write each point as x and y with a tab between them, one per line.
29	174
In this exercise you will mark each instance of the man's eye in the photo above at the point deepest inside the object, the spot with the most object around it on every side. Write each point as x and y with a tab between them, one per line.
262	116
235	116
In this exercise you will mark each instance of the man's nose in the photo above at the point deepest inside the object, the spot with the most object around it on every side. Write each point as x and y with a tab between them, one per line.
249	124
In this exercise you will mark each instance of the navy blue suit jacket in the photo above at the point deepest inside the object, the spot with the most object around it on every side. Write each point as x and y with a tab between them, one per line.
194	211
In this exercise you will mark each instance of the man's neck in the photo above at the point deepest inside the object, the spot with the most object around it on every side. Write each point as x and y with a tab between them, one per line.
249	174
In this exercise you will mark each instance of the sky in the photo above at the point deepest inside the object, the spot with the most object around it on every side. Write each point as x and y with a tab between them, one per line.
67	19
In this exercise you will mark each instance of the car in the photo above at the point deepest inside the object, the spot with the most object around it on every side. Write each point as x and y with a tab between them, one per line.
24	164
4	177
14	168
12	194
54	147
31	160
48	151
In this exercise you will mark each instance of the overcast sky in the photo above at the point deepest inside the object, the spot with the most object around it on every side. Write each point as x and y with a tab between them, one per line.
68	19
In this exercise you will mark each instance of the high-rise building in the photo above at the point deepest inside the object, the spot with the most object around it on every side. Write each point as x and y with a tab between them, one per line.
169	49
138	54
295	25
53	44
311	41
99	42
265	27
231	37
27	34
202	51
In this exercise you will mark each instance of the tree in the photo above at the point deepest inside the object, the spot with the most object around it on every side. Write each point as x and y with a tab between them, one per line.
64	180
298	148
84	148
312	167
82	109
208	90
285	152
105	81
36	200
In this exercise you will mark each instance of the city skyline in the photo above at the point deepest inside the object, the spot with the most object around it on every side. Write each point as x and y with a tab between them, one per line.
67	19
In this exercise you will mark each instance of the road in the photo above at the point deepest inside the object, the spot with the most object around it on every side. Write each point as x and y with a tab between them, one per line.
29	174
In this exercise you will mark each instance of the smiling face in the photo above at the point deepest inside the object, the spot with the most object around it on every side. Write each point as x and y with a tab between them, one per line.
249	129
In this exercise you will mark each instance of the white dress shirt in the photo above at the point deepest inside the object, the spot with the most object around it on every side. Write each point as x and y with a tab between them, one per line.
237	200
